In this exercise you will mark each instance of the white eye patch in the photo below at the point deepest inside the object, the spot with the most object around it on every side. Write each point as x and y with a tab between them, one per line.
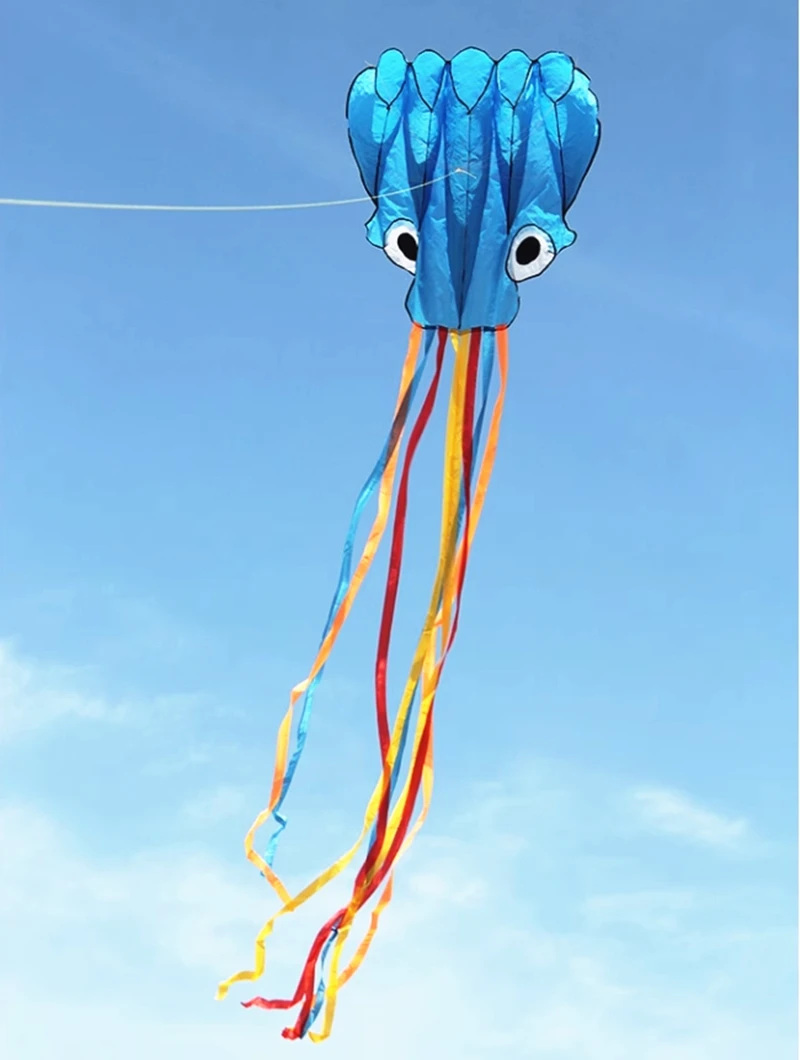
402	245
531	252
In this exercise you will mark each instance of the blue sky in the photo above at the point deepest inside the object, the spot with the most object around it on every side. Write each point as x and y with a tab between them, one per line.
189	407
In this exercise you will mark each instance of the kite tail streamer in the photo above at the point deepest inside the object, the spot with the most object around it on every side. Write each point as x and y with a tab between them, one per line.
382	477
499	340
391	835
390	841
291	903
394	838
429	681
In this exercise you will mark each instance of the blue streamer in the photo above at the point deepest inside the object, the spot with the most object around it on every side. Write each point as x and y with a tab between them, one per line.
367	490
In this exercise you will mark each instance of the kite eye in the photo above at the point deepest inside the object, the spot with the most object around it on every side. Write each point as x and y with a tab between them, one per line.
402	245
531	252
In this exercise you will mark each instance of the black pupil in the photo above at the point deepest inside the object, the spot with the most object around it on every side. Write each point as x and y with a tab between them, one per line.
528	250
407	245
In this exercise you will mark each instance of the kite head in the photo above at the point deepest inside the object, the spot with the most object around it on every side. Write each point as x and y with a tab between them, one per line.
472	165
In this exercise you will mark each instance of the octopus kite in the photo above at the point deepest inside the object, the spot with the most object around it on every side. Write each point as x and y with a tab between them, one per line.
471	165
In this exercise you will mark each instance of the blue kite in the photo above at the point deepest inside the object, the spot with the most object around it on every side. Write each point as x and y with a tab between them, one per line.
472	165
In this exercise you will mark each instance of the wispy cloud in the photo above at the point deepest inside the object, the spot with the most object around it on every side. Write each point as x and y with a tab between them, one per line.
468	961
675	813
214	806
177	899
529	924
170	764
34	696
215	101
663	910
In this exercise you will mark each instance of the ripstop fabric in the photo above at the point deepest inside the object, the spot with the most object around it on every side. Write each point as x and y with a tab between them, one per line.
516	138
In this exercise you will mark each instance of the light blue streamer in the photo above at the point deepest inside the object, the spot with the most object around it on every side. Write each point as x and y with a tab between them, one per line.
319	997
367	490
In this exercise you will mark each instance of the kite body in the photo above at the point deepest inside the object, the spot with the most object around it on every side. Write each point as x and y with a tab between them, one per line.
472	165
495	153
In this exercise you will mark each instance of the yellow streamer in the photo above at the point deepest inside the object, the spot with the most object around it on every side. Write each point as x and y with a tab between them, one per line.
442	603
293	903
423	660
385	491
430	679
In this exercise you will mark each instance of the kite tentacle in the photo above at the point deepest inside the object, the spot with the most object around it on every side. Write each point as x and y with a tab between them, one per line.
487	465
428	680
455	415
457	478
306	980
449	601
383	476
389	843
291	903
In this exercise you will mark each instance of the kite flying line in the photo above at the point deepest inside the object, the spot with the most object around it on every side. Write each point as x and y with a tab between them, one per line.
61	204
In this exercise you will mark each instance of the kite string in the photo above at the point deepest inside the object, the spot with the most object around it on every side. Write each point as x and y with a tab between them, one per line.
64	204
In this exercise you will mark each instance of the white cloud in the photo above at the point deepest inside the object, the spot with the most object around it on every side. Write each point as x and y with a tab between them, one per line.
214	806
177	762
177	899
664	910
467	961
674	813
34	696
